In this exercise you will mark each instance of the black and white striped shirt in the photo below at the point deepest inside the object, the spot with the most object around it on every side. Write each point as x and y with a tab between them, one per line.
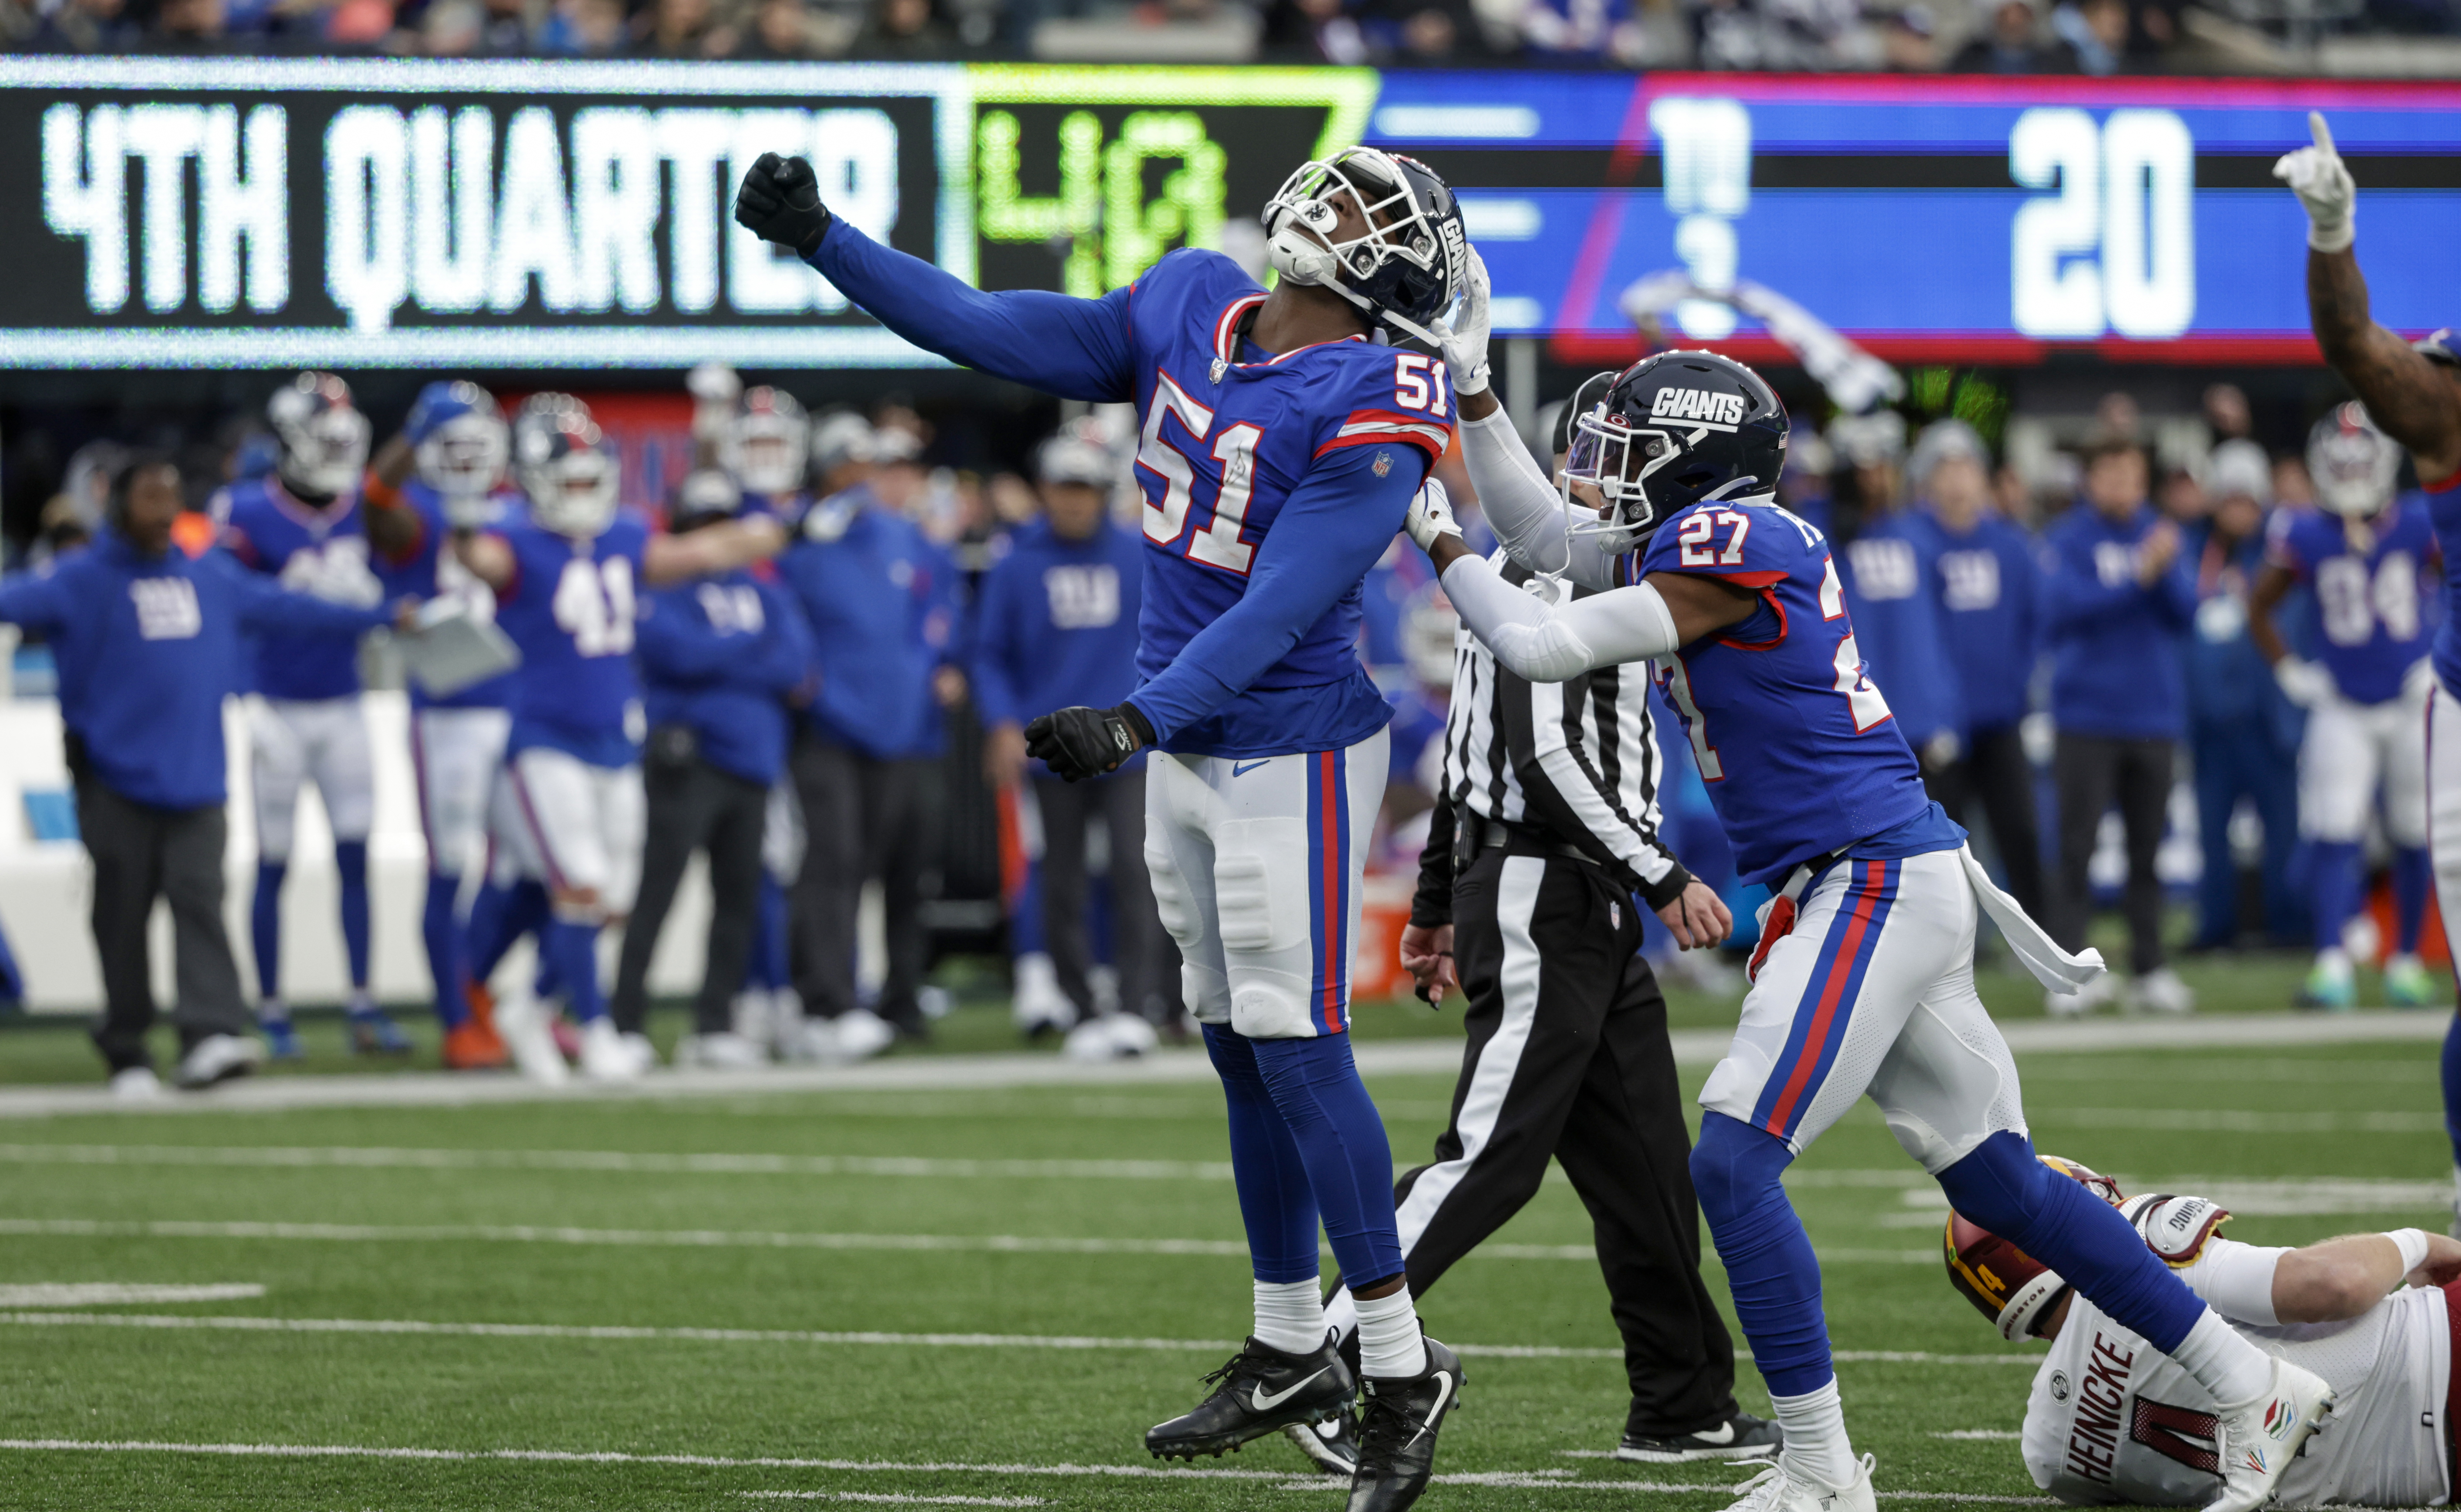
1577	761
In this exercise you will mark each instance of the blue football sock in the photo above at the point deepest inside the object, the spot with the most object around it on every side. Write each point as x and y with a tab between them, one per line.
768	967
1770	1267
499	918
2412	876
440	926
351	861
2060	1223
1275	1202
265	928
1341	1142
2335	868
570	950
2452	1088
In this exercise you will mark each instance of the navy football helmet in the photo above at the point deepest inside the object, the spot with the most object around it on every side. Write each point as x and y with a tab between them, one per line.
459	442
2353	464
567	466
767	442
1671	430
1408	265
323	436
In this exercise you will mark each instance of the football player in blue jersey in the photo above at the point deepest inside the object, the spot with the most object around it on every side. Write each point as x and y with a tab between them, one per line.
1862	981
765	448
567	574
445	473
2413	392
1281	449
302	526
2366	555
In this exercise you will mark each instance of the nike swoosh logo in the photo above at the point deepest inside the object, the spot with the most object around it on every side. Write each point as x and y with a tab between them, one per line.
1243	768
1444	1395
1726	1434
1265	1401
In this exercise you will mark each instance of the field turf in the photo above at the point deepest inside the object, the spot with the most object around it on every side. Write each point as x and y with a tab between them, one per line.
968	1296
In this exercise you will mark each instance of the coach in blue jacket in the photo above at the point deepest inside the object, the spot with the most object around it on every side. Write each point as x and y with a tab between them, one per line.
147	642
1889	570
882	599
1055	627
720	658
2117	598
1989	575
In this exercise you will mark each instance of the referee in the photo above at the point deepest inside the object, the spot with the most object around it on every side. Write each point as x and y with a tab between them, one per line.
1546	829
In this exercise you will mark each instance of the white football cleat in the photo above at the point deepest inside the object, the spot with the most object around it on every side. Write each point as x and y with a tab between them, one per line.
723	1050
610	1055
218	1058
808	1041
135	1084
1132	1035
860	1034
2262	1435
2160	992
521	1023
1781	1488
1039	1008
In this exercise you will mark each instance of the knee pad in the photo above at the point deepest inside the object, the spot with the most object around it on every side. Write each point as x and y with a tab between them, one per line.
1736	1169
1265	1009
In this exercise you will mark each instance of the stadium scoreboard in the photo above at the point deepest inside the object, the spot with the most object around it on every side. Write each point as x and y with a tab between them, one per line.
511	214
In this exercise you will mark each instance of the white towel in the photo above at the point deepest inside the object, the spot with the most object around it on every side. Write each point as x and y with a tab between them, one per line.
2052	967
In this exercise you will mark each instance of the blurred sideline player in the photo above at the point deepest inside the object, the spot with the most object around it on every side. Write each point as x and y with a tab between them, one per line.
567	575
1863	980
1891	572
2413	394
446	473
1281	451
302	527
2365	555
2111	1418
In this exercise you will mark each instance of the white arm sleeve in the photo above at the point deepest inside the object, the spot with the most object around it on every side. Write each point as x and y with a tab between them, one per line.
1523	508
2235	1280
1551	643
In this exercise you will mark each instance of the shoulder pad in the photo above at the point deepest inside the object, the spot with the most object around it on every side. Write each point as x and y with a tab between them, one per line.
2175	1228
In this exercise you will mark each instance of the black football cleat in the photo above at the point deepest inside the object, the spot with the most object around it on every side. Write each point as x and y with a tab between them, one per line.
1397	1432
1742	1437
1333	1443
1261	1389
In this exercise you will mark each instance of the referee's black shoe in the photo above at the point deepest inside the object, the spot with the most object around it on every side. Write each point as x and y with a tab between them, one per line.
1396	1432
1261	1389
1742	1437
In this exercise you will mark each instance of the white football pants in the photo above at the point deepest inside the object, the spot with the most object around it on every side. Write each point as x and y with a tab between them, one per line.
294	742
1873	991
1255	867
454	755
2349	749
572	825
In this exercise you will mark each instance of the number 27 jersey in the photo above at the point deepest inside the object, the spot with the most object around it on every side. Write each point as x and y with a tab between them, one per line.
1794	741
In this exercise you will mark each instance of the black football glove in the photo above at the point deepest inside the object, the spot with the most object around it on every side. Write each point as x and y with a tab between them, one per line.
780	202
1079	743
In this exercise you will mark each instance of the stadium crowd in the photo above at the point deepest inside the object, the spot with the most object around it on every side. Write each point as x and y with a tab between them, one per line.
1966	37
2065	645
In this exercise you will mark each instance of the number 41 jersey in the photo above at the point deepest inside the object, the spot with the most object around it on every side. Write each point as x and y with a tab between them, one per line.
1795	743
571	609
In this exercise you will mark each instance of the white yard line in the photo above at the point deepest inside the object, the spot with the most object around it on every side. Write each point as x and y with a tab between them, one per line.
972	1073
1983	1435
115	1294
620	1161
893	1498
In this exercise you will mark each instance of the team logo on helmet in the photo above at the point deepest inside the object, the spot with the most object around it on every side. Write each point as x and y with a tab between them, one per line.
1406	265
1669	432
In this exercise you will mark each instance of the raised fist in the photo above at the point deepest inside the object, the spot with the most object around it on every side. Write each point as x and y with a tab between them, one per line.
780	202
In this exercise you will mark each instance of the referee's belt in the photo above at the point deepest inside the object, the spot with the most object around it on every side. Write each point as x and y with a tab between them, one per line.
1474	834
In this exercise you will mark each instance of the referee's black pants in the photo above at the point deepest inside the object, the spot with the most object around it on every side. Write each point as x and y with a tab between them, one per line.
693	805
1568	1057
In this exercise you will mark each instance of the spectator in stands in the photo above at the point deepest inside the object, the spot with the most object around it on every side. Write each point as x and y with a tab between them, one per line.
903	28
146	637
676	28
1910	41
91	26
1057	627
786	30
2017	43
191	26
2096	32
2242	733
882	601
720	658
1889	568
1585	31
2226	413
1990	592
2117	598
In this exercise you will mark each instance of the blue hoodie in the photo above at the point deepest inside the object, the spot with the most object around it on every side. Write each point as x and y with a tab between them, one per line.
720	656
147	646
1891	576
882	601
1055	623
1990	595
2114	642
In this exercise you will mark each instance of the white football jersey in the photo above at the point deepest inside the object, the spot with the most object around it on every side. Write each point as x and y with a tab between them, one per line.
2111	1420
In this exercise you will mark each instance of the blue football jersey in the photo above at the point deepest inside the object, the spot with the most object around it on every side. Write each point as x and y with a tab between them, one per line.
2376	609
571	610
1796	745
431	571
1226	433
1890	573
319	552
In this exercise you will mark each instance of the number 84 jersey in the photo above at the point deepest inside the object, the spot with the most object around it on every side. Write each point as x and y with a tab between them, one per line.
1793	740
571	609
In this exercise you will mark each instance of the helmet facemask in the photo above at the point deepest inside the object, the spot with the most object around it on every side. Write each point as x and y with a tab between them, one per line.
1607	478
568	468
464	457
324	436
1404	268
767	443
2352	464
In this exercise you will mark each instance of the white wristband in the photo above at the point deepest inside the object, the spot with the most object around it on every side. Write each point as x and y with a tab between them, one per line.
2412	1244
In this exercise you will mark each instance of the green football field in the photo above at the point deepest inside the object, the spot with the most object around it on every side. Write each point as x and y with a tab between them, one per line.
967	1291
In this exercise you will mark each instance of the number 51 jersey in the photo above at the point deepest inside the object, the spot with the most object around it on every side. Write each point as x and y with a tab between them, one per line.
1794	742
571	609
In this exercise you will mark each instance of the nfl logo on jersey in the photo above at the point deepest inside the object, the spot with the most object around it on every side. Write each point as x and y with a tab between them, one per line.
1382	464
